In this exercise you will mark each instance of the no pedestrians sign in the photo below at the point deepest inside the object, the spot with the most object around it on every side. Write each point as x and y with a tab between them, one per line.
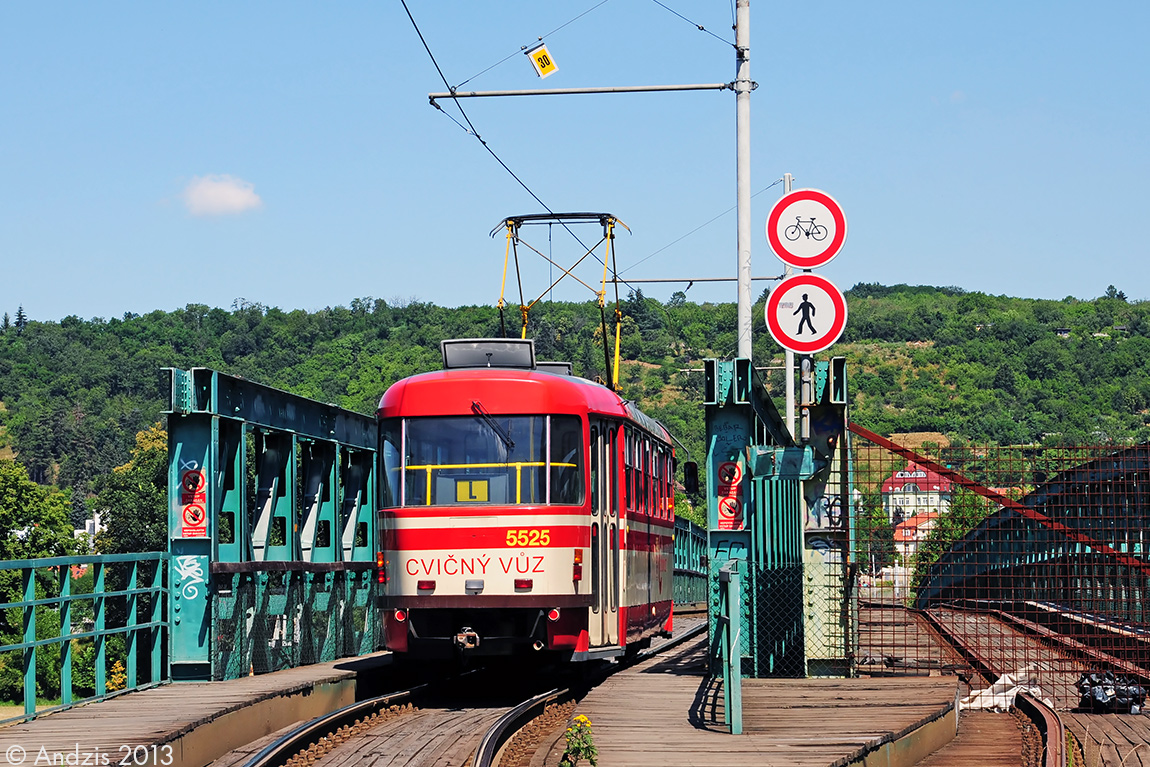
806	313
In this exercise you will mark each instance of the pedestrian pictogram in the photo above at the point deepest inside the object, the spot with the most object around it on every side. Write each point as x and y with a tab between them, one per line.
806	313
806	228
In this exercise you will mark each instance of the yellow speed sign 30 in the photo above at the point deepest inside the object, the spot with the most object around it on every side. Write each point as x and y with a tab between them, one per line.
542	61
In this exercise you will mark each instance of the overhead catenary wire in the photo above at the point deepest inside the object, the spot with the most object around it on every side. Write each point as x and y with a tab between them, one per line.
708	222
524	47
696	25
471	129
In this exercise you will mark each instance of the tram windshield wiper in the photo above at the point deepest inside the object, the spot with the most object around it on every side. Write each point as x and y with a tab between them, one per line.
479	410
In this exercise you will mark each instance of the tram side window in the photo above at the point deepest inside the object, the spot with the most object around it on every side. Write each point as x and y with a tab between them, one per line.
595	448
389	442
628	468
611	502
644	459
566	459
660	507
595	565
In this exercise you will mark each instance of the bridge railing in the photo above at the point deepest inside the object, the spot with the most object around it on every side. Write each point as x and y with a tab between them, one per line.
690	578
82	628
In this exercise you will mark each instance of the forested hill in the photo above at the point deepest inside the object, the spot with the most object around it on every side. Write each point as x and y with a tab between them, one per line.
74	394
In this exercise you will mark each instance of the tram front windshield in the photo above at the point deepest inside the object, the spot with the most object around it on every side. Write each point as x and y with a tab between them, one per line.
483	459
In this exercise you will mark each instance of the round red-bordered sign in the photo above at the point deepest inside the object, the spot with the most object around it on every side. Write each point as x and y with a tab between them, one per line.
806	228
806	313
194	516
193	481
729	472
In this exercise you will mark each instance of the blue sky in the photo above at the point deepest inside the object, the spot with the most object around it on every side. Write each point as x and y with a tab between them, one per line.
154	155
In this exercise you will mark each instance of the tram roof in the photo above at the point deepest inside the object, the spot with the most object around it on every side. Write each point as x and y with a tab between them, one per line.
500	390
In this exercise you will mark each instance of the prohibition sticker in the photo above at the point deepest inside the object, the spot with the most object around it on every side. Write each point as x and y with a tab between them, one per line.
194	516
806	313
193	481
730	514
729	473
806	228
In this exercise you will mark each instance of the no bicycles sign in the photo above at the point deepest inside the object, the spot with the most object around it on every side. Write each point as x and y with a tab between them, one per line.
806	228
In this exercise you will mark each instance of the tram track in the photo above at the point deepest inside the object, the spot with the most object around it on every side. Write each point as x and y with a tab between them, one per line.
459	721
992	644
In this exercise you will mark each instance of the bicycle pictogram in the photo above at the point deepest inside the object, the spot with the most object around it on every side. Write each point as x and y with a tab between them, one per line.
812	230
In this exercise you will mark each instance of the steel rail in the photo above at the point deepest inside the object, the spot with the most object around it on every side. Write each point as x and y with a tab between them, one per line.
507	725
1069	644
1049	724
299	738
1044	717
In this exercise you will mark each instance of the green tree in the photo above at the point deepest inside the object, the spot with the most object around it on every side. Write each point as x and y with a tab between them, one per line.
33	519
967	510
133	499
33	524
875	534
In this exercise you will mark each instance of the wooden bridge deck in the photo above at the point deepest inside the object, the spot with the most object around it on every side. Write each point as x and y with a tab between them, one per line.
666	712
197	720
1111	739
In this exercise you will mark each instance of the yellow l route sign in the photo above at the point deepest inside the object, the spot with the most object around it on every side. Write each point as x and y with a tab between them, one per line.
542	61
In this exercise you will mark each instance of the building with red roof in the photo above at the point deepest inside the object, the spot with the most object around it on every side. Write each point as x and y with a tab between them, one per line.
915	491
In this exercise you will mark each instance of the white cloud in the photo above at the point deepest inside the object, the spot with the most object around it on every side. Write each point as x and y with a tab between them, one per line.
220	195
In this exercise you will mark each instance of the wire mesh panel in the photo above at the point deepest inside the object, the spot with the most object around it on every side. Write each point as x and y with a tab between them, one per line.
290	614
1029	561
234	610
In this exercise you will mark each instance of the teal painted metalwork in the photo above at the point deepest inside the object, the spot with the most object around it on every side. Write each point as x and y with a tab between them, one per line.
94	625
264	488
776	506
731	653
689	585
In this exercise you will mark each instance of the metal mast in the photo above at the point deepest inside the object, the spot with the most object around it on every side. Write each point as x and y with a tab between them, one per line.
743	87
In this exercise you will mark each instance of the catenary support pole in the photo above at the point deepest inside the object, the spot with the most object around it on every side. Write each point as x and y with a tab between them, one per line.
743	173
788	179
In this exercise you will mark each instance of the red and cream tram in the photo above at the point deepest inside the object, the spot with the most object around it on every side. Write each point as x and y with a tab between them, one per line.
523	508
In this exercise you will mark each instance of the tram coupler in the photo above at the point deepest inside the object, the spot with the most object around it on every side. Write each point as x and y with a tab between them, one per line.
466	639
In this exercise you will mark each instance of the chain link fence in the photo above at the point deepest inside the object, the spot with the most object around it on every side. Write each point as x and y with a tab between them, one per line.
269	616
988	560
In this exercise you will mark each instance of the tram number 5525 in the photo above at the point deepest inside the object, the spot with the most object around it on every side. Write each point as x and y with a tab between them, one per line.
528	537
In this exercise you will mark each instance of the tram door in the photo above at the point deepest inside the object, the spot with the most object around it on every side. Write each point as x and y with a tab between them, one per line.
603	625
